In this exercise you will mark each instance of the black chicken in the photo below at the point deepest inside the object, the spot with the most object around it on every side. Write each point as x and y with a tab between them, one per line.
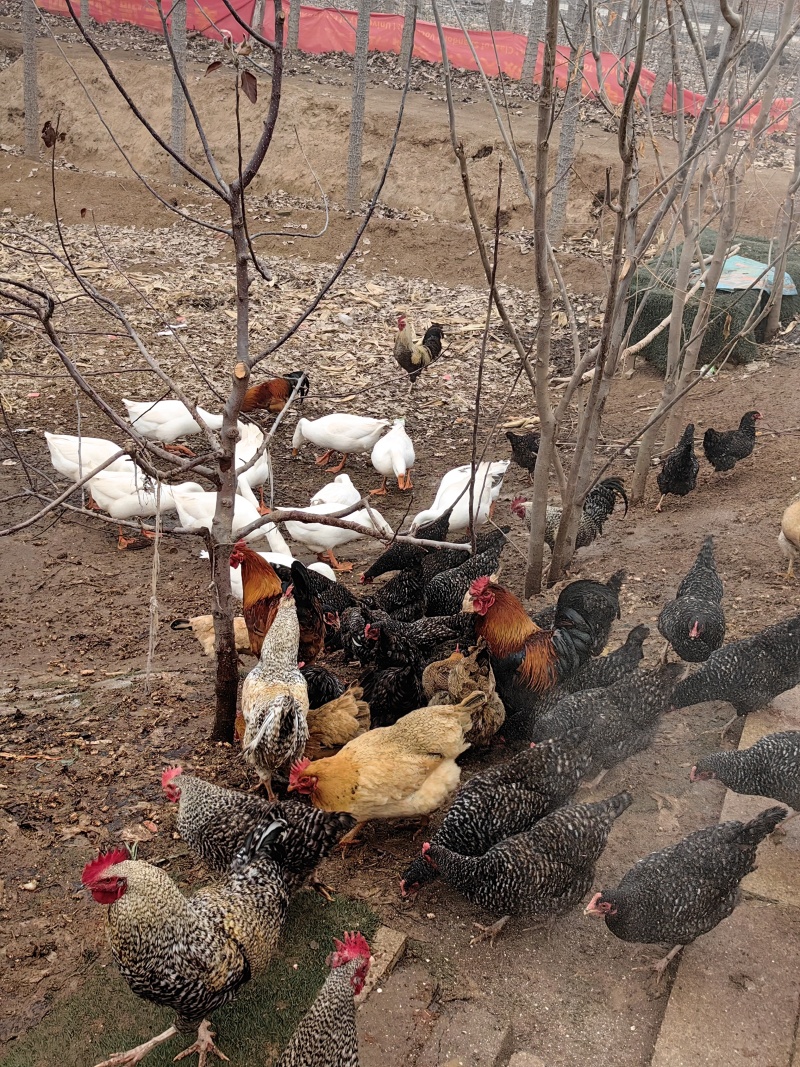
402	555
502	801
678	476
403	595
309	614
543	871
352	627
414	356
323	685
445	592
724	449
747	674
524	449
769	768
694	622
682	891
393	685
615	722
596	674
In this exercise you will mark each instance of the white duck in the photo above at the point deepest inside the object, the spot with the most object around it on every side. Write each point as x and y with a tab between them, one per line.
167	420
279	553
75	456
347	434
196	512
454	488
324	539
393	456
340	491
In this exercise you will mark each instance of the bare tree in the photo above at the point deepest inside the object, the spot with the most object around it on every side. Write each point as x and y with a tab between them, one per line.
535	31
785	222
569	125
358	106
177	29
294	25
497	14
409	26
30	77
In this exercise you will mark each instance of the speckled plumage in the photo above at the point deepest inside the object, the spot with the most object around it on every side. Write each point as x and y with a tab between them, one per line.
504	800
615	722
682	891
679	473
747	674
769	768
597	509
445	592
543	871
275	699
214	822
193	954
327	1035
697	606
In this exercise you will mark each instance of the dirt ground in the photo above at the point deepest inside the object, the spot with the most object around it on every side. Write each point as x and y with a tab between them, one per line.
84	734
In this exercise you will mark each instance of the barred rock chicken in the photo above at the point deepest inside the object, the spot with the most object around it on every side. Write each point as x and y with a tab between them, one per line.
503	800
617	722
398	771
694	622
191	955
393	684
678	476
214	822
789	537
524	450
543	871
597	509
748	674
402	555
724	449
274	394
525	658
682	891
445	593
261	588
326	1036
403	594
275	700
414	356
769	768
596	674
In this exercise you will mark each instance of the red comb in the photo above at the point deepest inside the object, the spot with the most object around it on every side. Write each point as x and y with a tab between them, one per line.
353	944
480	585
297	769
169	774
426	847
94	868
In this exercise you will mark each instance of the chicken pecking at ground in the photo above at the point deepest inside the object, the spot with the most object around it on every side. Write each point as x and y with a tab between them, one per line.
398	771
597	509
748	674
445	592
694	622
402	555
503	800
681	892
261	589
617	722
541	872
327	1035
191	954
414	356
465	675
526	659
769	768
789	537
524	449
678	476
724	449
275	700
273	394
214	822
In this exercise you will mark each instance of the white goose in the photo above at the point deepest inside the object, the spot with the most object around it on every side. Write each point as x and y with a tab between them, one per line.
131	494
393	457
454	486
75	456
324	539
347	434
167	420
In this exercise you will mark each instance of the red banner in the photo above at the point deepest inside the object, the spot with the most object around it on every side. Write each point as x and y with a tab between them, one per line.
334	30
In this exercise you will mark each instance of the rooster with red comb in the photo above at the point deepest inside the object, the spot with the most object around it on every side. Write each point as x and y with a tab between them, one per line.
528	660
191	954
327	1036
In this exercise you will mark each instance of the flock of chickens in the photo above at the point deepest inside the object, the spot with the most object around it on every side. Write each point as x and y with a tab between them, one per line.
449	659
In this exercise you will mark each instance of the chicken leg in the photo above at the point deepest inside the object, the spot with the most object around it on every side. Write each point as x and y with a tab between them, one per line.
488	933
663	658
328	557
135	1055
660	504
661	965
202	1046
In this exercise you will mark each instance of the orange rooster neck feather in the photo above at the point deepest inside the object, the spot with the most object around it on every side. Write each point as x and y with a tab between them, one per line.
507	629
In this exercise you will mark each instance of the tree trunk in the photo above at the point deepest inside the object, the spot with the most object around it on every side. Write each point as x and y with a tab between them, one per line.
359	102
514	18
535	32
787	218
569	127
544	287
409	26
770	84
30	80
258	16
294	25
663	78
497	15
713	29
177	30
